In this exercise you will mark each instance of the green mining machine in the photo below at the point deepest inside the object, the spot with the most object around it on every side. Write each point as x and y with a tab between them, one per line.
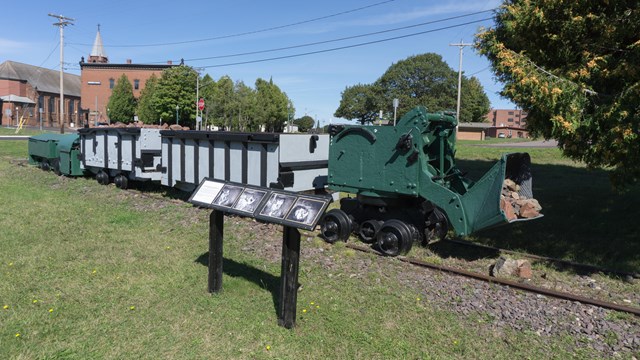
405	187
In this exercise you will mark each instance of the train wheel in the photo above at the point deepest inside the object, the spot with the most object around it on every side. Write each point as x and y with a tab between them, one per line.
368	231
102	177
436	226
55	165
335	225
396	237
121	182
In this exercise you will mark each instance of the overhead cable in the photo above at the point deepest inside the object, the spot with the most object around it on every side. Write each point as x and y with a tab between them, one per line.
250	32
338	39
347	46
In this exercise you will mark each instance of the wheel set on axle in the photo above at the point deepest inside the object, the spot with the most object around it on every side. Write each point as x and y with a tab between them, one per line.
392	237
121	181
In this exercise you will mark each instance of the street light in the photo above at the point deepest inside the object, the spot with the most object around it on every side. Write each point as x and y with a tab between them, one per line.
177	108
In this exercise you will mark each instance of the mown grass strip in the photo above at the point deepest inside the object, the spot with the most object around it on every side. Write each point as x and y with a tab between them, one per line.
88	271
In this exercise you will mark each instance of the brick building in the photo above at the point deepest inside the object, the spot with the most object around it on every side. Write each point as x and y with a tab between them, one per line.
507	123
472	131
98	77
31	94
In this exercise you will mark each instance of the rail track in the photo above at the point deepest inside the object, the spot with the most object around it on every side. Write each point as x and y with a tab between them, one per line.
506	282
550	260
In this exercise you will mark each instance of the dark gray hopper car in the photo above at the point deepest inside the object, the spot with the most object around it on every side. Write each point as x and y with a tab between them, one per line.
295	162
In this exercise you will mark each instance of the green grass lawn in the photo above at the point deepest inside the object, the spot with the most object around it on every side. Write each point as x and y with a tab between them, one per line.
585	220
91	272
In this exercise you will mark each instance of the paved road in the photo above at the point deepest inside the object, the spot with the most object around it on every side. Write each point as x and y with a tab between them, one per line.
14	137
526	144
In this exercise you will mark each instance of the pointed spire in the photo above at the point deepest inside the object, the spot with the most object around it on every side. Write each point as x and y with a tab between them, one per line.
97	52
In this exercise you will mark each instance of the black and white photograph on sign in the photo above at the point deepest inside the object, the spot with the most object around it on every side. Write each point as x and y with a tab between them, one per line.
228	195
278	205
305	211
249	200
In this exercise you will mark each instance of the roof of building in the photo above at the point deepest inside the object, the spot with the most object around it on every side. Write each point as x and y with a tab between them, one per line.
125	66
16	99
98	48
46	80
474	125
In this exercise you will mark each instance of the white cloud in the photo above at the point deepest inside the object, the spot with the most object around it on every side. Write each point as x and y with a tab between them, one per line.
11	47
451	7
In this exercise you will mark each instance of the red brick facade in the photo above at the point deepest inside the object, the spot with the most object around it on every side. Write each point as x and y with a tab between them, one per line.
98	80
507	123
27	89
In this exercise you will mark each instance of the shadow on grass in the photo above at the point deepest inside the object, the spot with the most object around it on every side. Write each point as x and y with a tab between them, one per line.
584	221
261	278
158	188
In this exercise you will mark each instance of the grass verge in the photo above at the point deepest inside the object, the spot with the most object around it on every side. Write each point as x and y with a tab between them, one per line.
89	271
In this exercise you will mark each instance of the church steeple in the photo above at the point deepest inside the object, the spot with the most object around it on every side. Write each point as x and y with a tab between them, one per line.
97	52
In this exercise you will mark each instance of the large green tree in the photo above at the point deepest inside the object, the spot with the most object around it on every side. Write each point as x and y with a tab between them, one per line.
245	108
359	102
305	123
574	66
122	103
271	106
146	111
474	103
418	80
223	100
176	87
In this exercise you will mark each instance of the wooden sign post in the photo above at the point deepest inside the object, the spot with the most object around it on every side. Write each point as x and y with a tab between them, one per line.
293	211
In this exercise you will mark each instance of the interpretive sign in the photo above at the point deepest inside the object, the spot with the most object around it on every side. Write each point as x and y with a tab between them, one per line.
294	211
270	205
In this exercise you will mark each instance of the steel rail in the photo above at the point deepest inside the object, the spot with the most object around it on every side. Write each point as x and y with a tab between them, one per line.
547	259
511	283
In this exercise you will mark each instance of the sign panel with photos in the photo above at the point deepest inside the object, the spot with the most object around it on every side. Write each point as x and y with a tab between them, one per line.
270	205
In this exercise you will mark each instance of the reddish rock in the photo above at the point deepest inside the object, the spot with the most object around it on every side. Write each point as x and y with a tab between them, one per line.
508	209
528	210
524	269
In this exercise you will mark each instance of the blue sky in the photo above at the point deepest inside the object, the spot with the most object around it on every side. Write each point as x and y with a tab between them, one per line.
212	35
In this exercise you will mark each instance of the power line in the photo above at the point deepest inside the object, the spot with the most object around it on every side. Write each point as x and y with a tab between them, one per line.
253	31
348	46
338	39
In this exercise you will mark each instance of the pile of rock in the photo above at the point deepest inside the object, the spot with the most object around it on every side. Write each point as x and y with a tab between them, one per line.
515	205
505	267
165	126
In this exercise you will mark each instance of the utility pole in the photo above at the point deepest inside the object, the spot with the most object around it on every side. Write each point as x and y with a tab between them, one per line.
62	22
461	45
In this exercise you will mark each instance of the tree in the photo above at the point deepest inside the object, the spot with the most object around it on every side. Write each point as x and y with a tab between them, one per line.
222	99
122	103
358	102
574	66
245	107
176	87
271	105
146	112
474	103
418	80
305	123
